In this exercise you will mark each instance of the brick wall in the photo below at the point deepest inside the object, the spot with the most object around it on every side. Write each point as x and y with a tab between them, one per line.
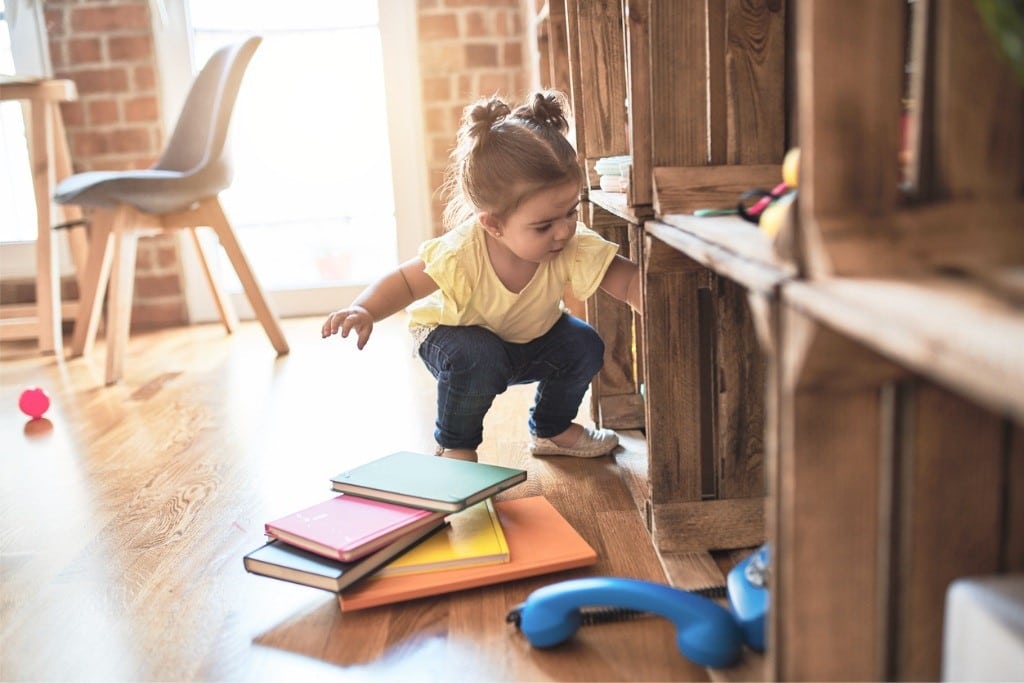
107	50
468	49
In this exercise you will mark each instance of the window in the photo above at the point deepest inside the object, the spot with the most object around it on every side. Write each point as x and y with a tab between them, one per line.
325	120
23	51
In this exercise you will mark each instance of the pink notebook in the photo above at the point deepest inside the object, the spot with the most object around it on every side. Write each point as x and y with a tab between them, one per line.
346	528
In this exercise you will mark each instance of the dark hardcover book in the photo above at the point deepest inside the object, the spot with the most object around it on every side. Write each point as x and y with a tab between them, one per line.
279	560
427	481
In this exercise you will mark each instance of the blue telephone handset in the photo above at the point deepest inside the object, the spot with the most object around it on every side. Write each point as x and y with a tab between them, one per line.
706	633
747	585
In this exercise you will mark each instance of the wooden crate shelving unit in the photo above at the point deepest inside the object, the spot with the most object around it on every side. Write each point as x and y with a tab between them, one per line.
890	340
694	93
900	452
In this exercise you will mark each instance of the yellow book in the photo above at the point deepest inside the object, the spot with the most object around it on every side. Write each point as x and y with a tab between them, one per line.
472	537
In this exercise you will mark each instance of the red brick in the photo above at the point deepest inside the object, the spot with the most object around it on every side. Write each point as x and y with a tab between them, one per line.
467	88
165	312
130	140
513	54
523	83
159	252
86	144
476	24
437	88
481	55
99	19
92	81
142	109
147	286
438	26
59	56
441	146
435	119
102	112
130	48
491	83
144	78
84	51
72	113
440	58
504	23
56	22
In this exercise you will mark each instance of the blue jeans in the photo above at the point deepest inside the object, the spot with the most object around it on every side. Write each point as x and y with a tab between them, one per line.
472	365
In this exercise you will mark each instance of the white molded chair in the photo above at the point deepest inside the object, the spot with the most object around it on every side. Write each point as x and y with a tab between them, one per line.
178	192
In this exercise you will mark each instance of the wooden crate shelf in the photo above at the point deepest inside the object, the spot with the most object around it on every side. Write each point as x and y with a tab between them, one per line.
857	403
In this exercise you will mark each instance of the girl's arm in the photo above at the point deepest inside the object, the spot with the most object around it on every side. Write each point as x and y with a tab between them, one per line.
383	298
622	281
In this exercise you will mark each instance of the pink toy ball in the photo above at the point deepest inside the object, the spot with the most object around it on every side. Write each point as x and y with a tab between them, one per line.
34	402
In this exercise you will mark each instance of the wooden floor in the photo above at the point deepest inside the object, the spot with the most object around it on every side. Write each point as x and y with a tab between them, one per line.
127	510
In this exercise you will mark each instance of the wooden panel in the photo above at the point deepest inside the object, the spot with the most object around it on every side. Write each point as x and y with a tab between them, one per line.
970	236
559	74
681	189
671	378
978	355
1014	526
577	93
615	399
740	384
850	107
602	85
979	109
949	507
638	90
700	525
727	245
751	57
678	60
827	515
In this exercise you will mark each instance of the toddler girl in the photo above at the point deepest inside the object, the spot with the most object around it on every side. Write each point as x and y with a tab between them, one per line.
485	298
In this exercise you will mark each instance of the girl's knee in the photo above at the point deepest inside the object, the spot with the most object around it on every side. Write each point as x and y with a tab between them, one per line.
590	347
472	356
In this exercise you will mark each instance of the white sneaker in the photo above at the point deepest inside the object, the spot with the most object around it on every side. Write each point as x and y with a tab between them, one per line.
591	444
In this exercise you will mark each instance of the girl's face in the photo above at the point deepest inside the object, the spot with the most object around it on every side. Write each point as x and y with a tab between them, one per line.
541	226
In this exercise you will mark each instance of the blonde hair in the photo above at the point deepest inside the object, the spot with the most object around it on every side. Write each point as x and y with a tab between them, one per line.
505	155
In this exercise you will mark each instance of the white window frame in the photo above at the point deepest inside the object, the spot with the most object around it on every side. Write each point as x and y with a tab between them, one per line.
408	154
31	53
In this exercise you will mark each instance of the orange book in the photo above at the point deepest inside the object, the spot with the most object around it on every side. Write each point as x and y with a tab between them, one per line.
540	541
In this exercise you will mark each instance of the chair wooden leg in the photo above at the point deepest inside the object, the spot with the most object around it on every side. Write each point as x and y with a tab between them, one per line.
92	280
220	297
119	313
226	235
47	265
78	241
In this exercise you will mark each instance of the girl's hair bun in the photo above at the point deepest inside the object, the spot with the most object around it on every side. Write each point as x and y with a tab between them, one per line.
479	118
545	108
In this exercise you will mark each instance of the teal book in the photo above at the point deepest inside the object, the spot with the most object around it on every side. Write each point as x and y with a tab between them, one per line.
427	481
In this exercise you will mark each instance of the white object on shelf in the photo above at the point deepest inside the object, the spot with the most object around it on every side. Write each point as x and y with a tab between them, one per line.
983	635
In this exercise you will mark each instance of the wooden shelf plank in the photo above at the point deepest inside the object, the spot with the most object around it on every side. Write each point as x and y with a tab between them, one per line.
617	203
727	245
949	330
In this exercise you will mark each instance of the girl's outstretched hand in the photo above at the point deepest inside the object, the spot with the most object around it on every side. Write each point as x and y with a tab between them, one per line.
348	319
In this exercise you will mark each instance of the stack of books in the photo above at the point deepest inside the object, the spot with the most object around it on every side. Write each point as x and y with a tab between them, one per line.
410	525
